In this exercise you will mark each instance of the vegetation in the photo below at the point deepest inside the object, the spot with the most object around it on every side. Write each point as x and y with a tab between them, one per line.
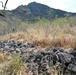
59	32
45	28
13	67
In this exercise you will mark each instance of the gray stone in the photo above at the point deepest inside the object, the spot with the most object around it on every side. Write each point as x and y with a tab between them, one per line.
65	57
72	67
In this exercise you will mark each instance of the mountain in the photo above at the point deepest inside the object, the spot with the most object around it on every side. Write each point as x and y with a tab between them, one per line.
34	11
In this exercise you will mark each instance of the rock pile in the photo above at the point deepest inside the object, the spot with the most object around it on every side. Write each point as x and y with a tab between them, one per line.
14	46
57	61
47	61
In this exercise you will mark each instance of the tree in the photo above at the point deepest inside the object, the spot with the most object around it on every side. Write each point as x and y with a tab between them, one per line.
4	6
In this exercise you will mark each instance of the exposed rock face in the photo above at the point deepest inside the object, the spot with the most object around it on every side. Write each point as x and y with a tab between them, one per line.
47	61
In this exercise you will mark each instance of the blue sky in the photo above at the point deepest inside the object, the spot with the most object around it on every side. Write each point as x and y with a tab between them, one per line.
67	5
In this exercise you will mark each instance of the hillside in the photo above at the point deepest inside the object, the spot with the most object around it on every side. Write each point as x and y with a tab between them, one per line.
35	10
21	17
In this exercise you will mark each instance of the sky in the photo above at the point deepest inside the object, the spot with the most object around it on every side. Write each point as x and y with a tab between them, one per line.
67	5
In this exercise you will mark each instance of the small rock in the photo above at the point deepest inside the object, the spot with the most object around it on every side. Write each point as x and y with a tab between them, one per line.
72	67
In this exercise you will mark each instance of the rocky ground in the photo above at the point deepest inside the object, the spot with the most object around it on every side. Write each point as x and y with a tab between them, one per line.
45	61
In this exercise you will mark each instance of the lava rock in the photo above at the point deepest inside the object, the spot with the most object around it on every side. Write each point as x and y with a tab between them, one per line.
72	67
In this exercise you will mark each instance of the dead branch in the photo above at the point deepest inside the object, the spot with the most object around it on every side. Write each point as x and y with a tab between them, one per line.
4	6
2	3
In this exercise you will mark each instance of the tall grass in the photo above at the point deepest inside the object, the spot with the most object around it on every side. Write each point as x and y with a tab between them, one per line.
59	32
59	36
13	67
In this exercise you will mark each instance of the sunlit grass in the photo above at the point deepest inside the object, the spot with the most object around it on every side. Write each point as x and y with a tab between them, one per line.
12	67
42	36
52	36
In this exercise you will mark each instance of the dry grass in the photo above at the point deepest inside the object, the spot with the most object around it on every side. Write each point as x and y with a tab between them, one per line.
53	36
12	67
3	57
42	37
